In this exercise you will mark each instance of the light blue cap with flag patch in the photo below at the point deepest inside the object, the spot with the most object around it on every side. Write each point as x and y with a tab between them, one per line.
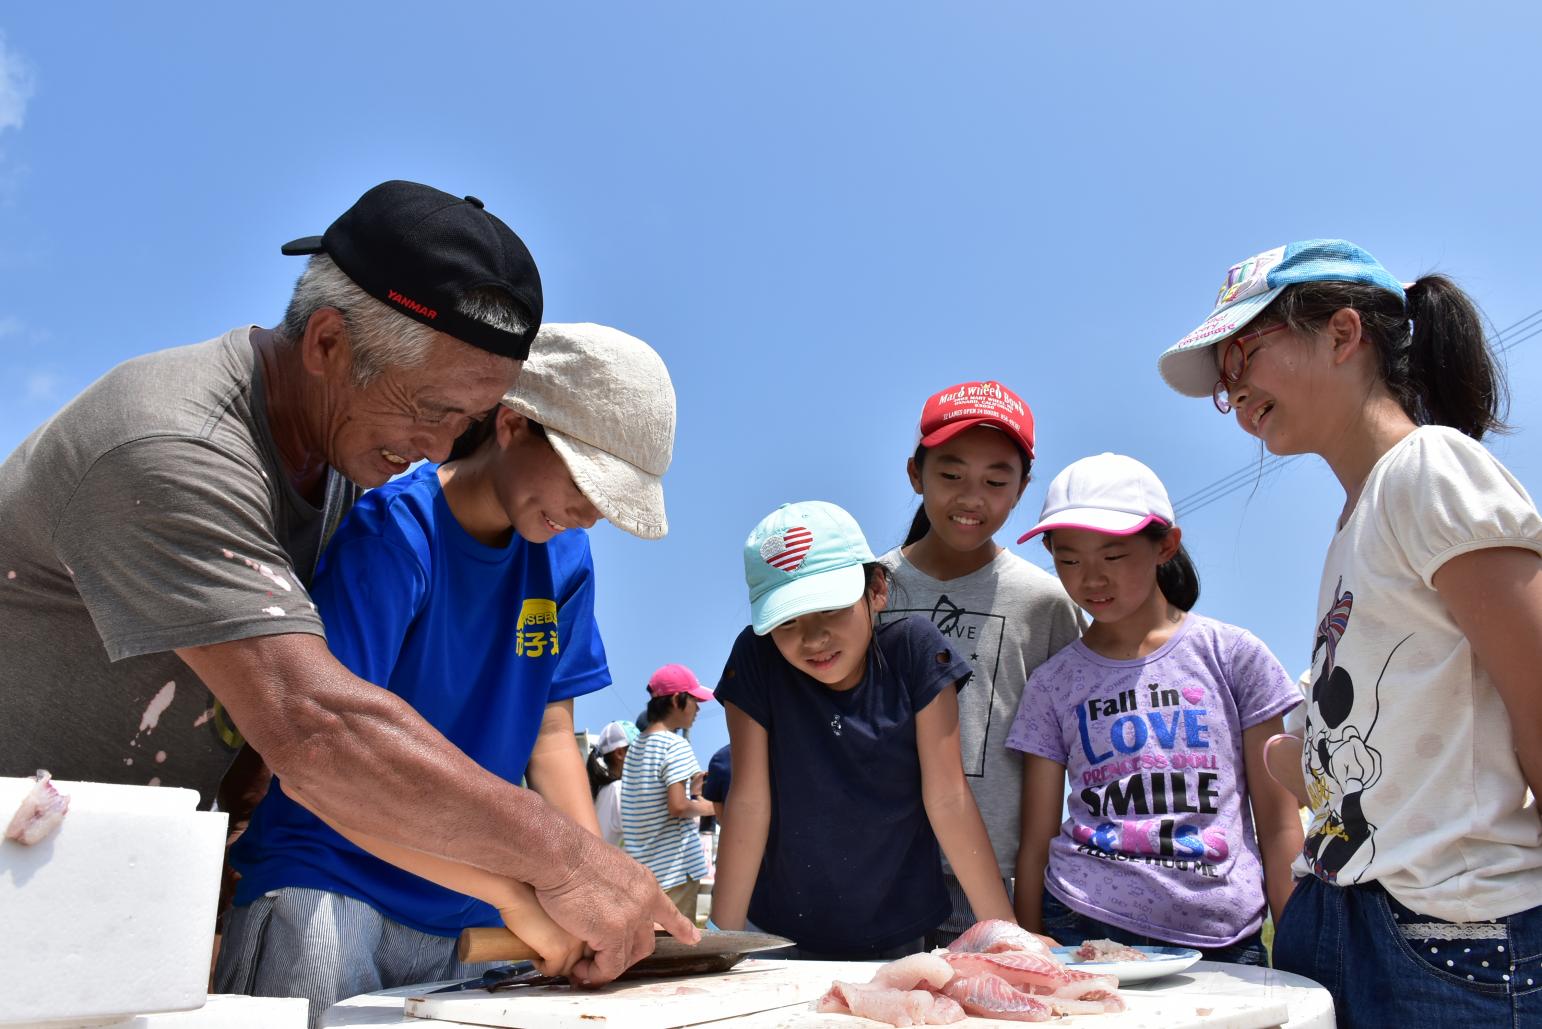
1189	364
802	558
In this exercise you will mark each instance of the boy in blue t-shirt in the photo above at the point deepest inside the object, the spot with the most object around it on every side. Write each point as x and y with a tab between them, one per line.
468	590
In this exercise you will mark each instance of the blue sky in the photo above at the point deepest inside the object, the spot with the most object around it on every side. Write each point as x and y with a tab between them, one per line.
817	213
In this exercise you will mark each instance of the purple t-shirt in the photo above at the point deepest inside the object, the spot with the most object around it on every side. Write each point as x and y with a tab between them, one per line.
1160	836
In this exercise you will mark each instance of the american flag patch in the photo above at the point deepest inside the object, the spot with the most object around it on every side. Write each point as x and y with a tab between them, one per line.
786	550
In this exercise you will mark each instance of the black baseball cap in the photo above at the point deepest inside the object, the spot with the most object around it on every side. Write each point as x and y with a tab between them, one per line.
419	250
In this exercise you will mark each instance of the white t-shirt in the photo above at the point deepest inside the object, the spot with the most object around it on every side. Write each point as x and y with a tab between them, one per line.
607	805
1408	757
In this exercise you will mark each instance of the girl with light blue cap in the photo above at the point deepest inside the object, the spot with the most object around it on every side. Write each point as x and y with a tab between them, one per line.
846	767
1422	751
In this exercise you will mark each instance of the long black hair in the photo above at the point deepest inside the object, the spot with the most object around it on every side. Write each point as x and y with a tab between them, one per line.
599	772
1176	577
920	525
1442	372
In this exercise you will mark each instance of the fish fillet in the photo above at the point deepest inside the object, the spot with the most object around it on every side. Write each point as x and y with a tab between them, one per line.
887	1004
40	813
991	996
996	935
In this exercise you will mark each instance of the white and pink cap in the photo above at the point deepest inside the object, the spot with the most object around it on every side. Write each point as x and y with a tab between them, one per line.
1109	493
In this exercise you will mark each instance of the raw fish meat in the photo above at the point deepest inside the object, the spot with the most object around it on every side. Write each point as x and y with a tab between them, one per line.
887	1004
995	935
991	996
995	970
915	972
40	813
1108	950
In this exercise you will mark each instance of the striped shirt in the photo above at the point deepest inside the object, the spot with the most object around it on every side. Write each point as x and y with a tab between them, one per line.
669	847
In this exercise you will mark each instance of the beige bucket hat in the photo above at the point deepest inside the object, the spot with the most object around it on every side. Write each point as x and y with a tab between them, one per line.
608	407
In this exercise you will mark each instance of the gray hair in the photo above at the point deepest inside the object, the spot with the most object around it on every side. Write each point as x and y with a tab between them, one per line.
382	338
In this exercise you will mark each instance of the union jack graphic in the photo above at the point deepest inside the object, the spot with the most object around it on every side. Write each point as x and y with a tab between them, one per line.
787	551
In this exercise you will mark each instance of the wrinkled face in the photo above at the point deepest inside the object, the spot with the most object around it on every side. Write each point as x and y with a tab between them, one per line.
1109	577
534	486
408	414
831	646
969	485
1278	397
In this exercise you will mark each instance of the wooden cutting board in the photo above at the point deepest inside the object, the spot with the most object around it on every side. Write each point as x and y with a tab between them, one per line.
776	995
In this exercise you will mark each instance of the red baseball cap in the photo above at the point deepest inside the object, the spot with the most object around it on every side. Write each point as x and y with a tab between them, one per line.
672	679
968	404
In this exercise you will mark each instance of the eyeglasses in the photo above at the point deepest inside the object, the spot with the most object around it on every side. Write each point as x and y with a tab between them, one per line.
1234	365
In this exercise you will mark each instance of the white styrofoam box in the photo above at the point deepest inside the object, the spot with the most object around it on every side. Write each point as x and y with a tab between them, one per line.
221	1012
111	916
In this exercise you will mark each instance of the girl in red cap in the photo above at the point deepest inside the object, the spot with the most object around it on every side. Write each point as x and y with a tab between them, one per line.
1006	614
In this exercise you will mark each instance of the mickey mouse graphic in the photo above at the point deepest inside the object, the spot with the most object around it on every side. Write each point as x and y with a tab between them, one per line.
1341	765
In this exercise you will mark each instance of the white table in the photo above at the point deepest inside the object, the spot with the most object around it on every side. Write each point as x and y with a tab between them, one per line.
1310	1005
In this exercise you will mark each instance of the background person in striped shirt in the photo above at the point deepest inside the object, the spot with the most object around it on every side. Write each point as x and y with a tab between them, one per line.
660	788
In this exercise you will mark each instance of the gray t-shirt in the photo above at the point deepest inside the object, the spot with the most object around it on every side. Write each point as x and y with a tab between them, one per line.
1007	618
150	513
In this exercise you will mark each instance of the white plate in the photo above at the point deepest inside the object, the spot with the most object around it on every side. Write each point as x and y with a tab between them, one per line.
1161	961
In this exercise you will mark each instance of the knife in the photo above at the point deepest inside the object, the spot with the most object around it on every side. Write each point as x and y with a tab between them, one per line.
716	952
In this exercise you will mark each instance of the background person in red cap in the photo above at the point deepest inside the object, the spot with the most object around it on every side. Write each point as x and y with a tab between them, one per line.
1006	615
660	787
161	530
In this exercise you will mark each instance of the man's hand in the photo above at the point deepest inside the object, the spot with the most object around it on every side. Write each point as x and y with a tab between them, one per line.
611	903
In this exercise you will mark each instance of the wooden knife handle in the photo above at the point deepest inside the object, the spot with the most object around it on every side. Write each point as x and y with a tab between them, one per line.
492	944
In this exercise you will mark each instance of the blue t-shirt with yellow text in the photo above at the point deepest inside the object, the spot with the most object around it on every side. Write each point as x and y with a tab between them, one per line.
478	639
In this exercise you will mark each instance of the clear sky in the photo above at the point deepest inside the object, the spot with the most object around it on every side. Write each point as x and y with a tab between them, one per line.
817	213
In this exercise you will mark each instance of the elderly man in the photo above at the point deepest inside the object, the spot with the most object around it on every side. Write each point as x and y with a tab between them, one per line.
157	535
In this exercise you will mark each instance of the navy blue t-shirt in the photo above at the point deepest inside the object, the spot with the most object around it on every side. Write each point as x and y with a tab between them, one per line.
478	639
851	863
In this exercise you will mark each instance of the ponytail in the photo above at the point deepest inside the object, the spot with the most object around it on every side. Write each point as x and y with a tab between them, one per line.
1452	377
599	772
1443	372
920	525
1177	578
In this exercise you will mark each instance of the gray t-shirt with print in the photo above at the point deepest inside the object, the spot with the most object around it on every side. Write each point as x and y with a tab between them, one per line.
150	513
1007	618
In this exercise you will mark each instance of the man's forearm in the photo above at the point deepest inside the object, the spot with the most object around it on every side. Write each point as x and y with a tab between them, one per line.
361	758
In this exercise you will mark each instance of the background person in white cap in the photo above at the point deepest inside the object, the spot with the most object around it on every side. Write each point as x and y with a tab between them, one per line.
661	788
846	768
1159	716
467	590
1422	866
606	764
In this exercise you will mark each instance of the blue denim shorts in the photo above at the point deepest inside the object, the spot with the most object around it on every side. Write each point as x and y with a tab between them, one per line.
1072	928
1388	966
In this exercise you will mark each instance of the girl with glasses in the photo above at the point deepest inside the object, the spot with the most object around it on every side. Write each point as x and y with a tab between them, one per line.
1422	751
